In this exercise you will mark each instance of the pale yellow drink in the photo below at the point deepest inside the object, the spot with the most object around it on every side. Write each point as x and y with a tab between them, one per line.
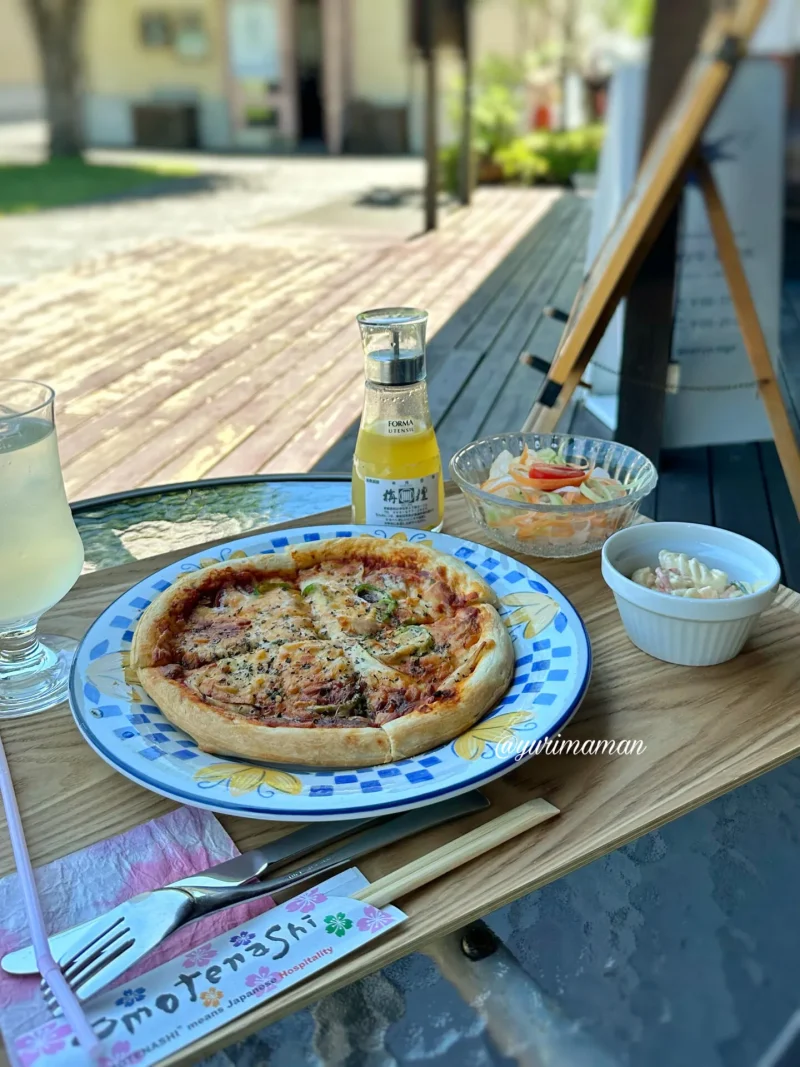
397	469
41	553
413	455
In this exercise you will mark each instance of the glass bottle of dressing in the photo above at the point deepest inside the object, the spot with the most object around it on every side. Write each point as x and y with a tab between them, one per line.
397	469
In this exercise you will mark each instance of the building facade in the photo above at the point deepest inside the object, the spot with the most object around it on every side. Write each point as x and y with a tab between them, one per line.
20	76
335	75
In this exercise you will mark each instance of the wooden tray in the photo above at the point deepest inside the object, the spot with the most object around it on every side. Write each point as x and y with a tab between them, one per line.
706	730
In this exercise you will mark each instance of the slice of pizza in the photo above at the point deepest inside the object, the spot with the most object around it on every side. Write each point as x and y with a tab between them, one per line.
433	649
345	607
299	702
434	681
239	620
303	680
356	587
451	705
222	611
398	568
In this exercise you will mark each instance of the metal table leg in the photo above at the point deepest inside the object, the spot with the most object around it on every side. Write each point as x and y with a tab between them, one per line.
523	1024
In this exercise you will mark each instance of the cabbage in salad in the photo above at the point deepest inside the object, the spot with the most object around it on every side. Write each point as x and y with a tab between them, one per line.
546	477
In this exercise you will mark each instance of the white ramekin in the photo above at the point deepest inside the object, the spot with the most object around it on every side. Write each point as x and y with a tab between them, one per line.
696	633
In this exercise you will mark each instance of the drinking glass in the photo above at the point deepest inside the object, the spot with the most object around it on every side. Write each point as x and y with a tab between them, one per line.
41	553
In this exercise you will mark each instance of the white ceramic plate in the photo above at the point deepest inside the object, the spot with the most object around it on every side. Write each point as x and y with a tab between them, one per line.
117	718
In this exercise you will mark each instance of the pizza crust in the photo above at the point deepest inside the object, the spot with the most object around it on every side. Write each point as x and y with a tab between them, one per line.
224	733
457	575
467	694
477	685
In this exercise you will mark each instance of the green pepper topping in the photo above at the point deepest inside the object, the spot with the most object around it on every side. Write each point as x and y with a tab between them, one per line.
371	593
264	587
385	605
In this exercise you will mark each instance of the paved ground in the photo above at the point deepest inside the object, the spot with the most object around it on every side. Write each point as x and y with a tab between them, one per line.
241	192
213	334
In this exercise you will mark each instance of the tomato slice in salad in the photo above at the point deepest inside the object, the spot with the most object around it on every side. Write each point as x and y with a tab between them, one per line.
555	470
549	476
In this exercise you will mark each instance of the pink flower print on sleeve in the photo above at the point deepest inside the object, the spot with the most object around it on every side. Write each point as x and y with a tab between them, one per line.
200	956
46	1041
121	1050
307	902
374	920
262	980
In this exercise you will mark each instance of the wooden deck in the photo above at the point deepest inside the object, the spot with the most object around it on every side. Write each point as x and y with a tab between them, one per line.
235	353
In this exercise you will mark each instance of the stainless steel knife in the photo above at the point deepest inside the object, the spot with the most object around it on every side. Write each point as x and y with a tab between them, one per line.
238	871
149	920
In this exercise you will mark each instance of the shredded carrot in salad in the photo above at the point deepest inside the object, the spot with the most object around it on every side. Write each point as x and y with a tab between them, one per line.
545	477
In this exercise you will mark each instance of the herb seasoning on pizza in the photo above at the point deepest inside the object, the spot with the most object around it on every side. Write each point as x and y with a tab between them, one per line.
346	652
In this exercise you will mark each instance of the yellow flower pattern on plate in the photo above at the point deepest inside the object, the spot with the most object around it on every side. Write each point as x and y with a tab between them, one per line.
209	561
402	536
472	744
242	778
536	610
104	674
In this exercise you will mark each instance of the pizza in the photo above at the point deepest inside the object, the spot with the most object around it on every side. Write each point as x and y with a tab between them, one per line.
342	653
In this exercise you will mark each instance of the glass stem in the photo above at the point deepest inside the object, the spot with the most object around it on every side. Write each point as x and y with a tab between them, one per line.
20	649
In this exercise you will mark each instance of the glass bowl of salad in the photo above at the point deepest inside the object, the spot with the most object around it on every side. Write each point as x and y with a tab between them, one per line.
552	494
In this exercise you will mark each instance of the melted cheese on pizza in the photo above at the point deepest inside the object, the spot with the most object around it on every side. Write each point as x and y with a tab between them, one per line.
420	597
241	620
388	691
345	607
431	651
295	683
397	627
361	601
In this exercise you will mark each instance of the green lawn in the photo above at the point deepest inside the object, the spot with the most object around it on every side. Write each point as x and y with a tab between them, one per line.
59	183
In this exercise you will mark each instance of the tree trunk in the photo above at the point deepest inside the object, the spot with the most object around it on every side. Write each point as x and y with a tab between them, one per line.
57	25
430	14
466	161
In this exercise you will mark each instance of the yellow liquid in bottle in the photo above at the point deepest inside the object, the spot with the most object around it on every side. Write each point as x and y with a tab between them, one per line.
392	456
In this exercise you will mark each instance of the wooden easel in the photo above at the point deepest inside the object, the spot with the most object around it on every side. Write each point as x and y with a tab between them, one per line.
674	153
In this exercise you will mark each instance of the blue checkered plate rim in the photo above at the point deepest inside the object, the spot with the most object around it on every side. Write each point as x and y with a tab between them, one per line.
118	719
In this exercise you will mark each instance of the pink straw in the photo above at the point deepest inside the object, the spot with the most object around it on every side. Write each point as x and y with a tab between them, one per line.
48	968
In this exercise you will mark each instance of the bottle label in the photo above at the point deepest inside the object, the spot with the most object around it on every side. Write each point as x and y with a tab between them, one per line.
400	427
403	501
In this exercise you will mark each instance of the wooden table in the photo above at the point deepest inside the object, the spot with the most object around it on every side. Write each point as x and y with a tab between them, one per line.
706	731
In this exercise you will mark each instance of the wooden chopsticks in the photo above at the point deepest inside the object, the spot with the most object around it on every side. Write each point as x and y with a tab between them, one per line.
455	853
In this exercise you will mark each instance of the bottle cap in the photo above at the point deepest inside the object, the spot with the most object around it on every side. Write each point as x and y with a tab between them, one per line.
394	345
